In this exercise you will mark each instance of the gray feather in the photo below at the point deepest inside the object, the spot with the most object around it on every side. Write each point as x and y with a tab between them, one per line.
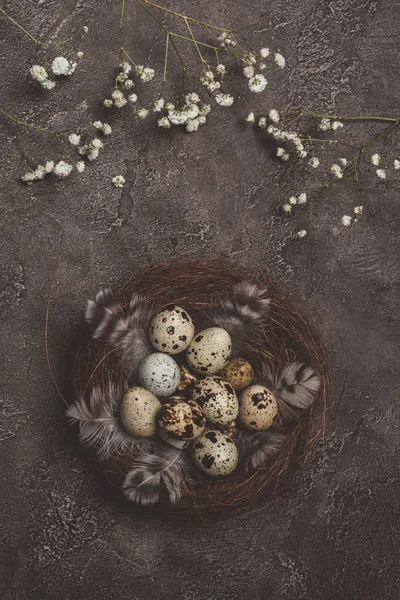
257	447
238	312
158	467
100	427
295	387
127	332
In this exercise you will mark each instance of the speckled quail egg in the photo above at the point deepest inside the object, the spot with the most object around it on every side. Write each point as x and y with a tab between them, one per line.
238	372
209	351
138	412
171	330
187	379
215	453
218	400
159	373
181	419
257	408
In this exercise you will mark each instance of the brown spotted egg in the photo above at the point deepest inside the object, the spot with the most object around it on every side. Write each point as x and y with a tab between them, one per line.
257	408
238	372
138	412
171	330
181	419
215	453
209	351
218	400
187	379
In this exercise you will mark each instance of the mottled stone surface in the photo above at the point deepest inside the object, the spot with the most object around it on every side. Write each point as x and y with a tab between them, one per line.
334	533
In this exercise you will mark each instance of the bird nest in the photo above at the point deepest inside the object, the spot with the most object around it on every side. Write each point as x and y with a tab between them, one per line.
281	343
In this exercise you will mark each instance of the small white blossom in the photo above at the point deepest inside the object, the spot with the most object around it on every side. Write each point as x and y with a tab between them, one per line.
192	125
262	123
85	29
164	122
302	198
343	161
118	181
38	73
169	106
274	115
224	99
62	169
264	52
92	153
201	119
147	74
119	98
358	210
204	110
142	113
279	60
28	177
125	68
39	172
129	84
250	58
251	118
79	54
287	208
62	66
302	233
293	200
262	66
158	105
192	98
98	125
132	98
337	171
213	86
346	220
108	103
248	71
381	173
314	162
396	164
325	125
106	129
336	125
47	84
208	76
74	139
80	166
257	84
177	117
375	159
96	143
49	166
221	69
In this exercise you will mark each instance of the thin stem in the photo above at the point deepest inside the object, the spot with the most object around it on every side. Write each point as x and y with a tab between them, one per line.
184	17
193	40
164	81
22	28
344	118
203	62
37	127
121	24
128	57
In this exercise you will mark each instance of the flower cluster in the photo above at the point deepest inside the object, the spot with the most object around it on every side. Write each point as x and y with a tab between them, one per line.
191	115
122	92
59	66
60	169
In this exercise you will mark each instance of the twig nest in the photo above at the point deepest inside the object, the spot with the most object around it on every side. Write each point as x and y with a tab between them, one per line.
238	372
138	410
257	408
181	419
218	400
187	379
159	373
171	330
209	351
215	453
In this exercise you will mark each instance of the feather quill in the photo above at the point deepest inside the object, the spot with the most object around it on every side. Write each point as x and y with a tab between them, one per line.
100	427
125	332
295	387
257	447
239	312
159	466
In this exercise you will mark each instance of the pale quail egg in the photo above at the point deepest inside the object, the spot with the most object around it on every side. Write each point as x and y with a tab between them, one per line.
138	412
171	330
257	408
181	419
187	379
238	372
209	351
218	400
215	453
159	373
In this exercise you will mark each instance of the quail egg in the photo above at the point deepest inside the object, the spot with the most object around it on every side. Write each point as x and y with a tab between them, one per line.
138	412
181	419
257	408
209	351
238	372
215	453
171	330
159	373
218	400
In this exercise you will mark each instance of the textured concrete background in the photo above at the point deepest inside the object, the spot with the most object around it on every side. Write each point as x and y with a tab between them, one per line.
335	532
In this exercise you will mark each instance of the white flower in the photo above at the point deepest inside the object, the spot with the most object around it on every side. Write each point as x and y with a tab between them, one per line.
396	164
264	52
49	166
74	139
118	181
292	200
28	177
191	111
107	102
204	110
132	98
98	125
302	233
258	83
314	162
80	166
279	60
169	106
119	98
346	220
248	71
336	125
207	76
381	173
125	68
85	29
280	151
129	84
62	66
325	125
358	210
251	118
250	58
302	198
375	159
343	161
142	113
62	169
201	119
96	143
192	125
79	54
262	123
92	153
274	115
164	122
106	129
287	208
158	105
147	74
224	99
337	171
192	98
47	84
262	66
221	70
213	86
38	73
39	172
177	117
